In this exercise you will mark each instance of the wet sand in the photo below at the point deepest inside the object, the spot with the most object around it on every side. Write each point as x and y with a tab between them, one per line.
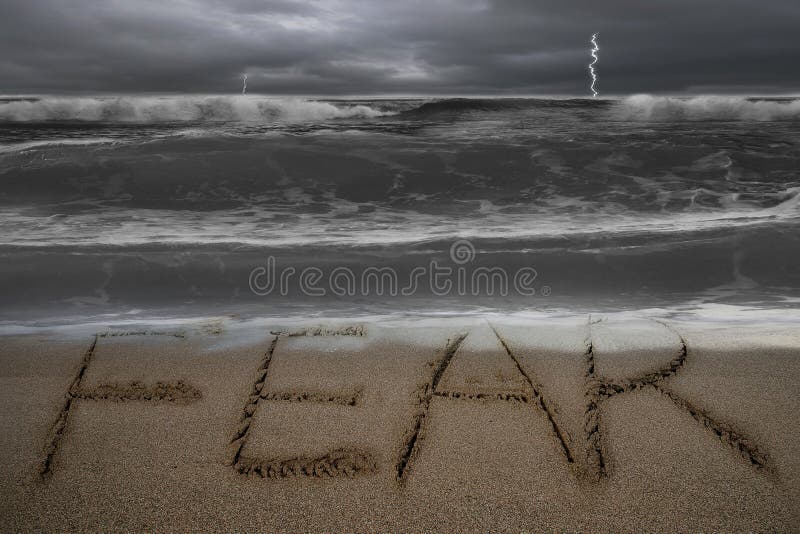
595	425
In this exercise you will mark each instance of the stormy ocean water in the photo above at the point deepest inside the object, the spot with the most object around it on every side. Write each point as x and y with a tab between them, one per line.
176	206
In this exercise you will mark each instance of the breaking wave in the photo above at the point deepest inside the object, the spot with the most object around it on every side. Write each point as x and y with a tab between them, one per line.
701	108
179	109
260	109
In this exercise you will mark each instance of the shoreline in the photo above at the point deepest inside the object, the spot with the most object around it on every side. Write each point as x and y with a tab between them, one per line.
700	315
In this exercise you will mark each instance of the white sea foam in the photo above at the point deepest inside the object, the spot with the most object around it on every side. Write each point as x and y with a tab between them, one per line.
254	226
726	108
718	325
32	145
137	109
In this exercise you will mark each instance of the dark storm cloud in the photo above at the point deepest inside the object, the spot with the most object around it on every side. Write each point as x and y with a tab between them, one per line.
412	46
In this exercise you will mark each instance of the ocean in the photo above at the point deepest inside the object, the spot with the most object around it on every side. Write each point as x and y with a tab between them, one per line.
142	207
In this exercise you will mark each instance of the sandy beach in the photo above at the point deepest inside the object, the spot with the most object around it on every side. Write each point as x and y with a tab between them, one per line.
597	425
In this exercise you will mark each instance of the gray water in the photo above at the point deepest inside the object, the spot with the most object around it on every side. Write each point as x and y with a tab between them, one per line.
164	206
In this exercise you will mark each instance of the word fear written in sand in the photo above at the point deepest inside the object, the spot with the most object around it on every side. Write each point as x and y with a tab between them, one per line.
585	453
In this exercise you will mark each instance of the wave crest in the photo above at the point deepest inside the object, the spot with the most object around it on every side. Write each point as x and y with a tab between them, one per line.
459	105
723	108
241	108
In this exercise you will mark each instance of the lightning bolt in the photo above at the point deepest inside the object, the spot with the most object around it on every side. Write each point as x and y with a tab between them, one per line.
595	49
244	83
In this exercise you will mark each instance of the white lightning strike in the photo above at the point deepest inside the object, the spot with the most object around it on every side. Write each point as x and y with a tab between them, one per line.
595	49
244	83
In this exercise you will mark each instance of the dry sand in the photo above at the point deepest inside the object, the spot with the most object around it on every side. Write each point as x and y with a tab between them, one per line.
614	425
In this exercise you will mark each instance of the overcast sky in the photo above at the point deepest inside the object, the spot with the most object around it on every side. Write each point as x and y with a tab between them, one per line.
400	47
